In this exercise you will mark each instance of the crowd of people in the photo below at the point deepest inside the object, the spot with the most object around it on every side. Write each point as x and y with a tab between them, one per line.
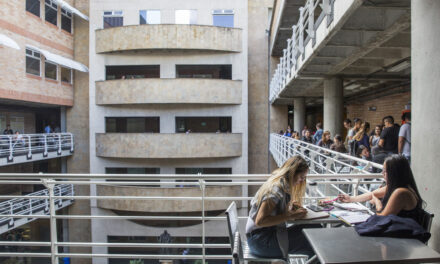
361	141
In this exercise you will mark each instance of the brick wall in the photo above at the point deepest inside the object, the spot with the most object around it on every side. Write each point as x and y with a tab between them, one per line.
28	29
387	105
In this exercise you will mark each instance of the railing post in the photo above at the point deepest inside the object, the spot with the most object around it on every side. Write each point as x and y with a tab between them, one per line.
289	59
11	150
29	156
45	146
59	144
301	30
202	189
311	20
294	47
53	221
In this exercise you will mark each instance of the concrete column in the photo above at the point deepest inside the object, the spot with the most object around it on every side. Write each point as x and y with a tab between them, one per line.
299	113
425	72
333	105
63	124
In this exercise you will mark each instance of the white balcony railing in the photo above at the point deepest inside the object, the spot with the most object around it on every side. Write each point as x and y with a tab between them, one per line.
303	32
332	183
19	148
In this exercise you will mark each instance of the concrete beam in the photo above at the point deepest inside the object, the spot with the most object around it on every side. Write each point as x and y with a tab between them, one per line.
401	24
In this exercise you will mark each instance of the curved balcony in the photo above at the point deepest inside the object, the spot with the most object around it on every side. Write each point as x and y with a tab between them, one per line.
165	206
168	91
169	37
164	146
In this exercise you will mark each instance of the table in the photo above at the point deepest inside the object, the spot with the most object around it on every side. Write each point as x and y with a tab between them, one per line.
344	245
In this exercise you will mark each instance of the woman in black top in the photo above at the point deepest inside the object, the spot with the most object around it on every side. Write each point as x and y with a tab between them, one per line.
400	196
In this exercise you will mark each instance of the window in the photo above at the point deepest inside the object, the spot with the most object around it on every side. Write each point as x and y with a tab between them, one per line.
204	71
33	62
33	6
66	20
17	123
66	75
132	71
134	171
223	18
132	125
149	17
186	16
50	70
113	19
51	11
206	124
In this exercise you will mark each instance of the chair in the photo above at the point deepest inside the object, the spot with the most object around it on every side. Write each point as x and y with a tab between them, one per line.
427	220
240	249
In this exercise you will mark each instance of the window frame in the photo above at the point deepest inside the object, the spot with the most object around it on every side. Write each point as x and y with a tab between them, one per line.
56	70
39	8
61	75
32	55
223	12
53	6
112	13
66	14
146	16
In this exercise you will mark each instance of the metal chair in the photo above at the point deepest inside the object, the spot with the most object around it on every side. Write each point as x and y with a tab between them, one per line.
240	249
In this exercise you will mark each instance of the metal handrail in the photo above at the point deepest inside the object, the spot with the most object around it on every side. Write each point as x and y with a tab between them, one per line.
302	32
29	144
61	184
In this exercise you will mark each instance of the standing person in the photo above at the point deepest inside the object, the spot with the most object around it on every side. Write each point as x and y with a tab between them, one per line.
307	137
277	201
347	125
288	132
390	136
351	134
338	144
404	143
361	138
48	129
318	134
326	140
303	132
374	139
8	130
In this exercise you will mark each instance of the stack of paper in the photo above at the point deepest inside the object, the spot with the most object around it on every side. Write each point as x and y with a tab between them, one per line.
350	206
351	217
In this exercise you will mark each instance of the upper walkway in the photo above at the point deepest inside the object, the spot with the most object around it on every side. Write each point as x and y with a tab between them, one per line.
21	148
366	43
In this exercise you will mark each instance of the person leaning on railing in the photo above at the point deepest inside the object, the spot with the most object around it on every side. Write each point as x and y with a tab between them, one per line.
399	196
277	201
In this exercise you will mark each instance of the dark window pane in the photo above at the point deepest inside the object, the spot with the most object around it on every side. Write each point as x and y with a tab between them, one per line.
66	75
134	171
204	124
132	125
113	22
66	22
132	71
50	71
51	12
33	6
223	20
204	71
32	66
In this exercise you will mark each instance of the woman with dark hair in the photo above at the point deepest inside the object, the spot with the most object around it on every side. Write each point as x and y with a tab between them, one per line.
399	197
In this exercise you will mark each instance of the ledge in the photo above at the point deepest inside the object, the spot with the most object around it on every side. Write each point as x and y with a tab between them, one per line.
168	91
169	37
165	146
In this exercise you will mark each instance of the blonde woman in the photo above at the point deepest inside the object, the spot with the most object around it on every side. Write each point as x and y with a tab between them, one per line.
277	201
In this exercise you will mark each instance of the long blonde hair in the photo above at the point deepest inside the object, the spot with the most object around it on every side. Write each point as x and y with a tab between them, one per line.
285	178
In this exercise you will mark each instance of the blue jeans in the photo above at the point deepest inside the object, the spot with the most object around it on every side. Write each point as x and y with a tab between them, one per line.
264	243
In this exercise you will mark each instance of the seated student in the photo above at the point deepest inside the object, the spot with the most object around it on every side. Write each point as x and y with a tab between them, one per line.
277	201
326	140
308	137
399	196
338	145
